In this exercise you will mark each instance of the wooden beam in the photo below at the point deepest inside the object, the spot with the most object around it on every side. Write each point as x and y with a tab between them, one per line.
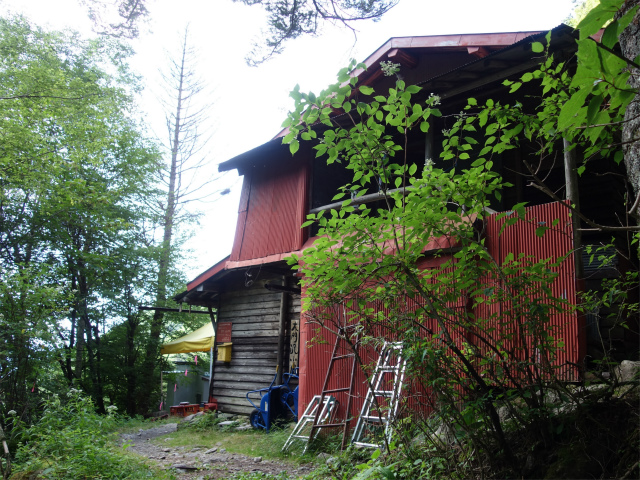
178	310
403	58
479	52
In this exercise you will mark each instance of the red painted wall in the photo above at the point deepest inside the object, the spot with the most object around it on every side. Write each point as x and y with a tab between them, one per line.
315	356
273	205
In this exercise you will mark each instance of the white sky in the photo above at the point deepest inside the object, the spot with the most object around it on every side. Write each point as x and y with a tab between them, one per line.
251	103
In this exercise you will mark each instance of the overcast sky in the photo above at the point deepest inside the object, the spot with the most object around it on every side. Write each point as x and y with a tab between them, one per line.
249	104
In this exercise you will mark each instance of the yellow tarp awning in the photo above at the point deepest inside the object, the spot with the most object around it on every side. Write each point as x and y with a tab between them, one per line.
200	340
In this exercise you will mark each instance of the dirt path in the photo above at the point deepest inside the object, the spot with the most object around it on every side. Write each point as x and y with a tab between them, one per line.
201	461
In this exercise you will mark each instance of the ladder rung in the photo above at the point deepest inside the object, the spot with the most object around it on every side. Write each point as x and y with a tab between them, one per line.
377	418
324	425
362	444
340	357
337	390
383	393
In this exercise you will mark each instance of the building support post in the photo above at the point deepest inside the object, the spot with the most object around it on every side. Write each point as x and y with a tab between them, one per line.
573	196
212	360
282	330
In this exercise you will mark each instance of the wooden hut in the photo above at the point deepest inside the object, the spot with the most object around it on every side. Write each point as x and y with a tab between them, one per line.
256	293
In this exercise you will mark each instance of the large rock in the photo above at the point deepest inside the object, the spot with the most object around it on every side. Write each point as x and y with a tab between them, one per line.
628	371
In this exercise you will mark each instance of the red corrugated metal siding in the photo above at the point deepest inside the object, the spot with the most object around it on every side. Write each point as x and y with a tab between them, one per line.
556	243
520	238
272	207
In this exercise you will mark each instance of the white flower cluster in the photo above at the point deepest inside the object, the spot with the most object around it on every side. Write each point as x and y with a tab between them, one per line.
12	413
389	68
73	391
433	99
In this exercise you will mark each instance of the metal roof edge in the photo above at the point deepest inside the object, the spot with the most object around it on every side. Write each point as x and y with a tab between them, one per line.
207	274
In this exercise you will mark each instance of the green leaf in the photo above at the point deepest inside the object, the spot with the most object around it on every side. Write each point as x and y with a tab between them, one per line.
597	18
365	90
540	231
537	47
294	146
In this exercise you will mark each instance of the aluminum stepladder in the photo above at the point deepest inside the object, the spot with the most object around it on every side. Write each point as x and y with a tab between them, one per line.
341	353
380	405
326	414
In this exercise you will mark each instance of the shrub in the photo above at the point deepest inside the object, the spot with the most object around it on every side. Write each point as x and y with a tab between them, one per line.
71	441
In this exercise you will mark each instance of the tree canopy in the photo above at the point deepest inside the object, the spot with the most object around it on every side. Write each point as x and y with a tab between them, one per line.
75	174
287	19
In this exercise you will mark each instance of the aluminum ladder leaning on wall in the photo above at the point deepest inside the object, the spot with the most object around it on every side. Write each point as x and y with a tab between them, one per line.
380	406
308	419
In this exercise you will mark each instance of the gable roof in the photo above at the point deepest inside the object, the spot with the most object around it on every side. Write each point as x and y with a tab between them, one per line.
483	59
493	57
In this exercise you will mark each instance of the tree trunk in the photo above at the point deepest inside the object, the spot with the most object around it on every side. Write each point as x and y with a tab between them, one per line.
130	359
157	322
630	45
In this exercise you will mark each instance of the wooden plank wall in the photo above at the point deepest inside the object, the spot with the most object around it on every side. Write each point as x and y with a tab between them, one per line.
255	314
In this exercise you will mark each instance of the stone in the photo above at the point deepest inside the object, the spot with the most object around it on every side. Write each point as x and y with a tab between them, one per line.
257	459
333	462
445	434
628	371
244	427
226	423
211	450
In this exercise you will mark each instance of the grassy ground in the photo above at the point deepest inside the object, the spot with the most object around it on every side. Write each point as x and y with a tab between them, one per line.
251	443
254	443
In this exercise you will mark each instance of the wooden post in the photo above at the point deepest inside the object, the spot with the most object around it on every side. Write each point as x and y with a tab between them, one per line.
282	328
212	369
573	196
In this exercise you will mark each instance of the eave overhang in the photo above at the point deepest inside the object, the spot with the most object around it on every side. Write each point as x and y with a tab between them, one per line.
496	56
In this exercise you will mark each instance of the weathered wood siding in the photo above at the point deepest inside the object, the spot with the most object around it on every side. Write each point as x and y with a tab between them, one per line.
255	314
